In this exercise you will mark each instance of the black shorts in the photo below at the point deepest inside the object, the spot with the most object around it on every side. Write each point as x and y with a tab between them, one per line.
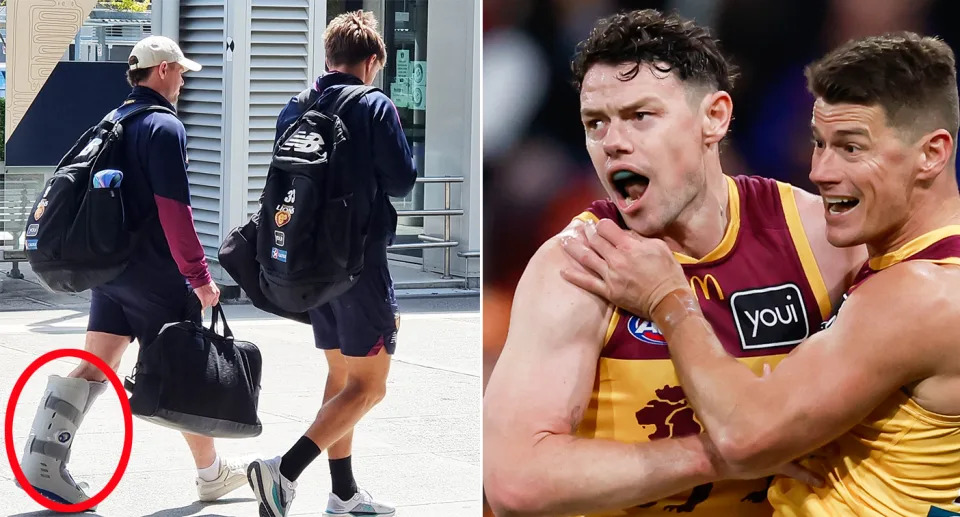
364	319
141	311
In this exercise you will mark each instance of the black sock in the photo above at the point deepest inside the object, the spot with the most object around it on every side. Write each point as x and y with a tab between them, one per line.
341	473
298	458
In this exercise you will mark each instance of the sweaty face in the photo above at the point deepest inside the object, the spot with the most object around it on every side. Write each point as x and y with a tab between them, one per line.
645	142
864	170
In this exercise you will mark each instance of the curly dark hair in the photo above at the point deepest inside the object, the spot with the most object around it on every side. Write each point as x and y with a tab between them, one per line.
913	78
667	42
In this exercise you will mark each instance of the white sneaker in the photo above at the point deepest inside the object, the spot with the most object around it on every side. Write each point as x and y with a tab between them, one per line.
274	492
232	476
360	504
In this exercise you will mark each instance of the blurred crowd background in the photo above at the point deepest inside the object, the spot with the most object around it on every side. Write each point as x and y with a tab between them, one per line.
537	175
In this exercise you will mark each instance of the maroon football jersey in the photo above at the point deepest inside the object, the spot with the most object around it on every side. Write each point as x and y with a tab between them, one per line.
941	246
901	459
762	292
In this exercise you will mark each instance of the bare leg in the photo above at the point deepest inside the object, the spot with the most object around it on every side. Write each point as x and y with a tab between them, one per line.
202	449
336	381
109	347
366	385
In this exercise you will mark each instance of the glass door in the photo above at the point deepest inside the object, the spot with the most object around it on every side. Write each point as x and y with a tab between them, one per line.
403	24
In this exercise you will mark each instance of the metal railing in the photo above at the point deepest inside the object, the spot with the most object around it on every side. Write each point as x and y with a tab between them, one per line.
24	201
430	241
17	195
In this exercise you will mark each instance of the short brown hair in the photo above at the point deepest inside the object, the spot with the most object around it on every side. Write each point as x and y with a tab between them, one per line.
136	76
664	41
912	78
352	38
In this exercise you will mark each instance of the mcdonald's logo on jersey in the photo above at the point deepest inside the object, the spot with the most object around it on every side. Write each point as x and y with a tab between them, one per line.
704	284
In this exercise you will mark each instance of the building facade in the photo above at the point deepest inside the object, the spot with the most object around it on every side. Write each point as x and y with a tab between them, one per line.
257	54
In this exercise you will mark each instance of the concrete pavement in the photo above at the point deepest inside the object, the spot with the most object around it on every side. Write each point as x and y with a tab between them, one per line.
420	448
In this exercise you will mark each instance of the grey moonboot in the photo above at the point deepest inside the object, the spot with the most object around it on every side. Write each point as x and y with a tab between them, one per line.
62	409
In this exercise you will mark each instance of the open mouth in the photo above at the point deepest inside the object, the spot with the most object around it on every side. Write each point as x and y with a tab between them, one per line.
840	204
630	185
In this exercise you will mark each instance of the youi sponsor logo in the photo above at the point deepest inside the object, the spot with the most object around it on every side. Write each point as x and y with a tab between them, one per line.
770	316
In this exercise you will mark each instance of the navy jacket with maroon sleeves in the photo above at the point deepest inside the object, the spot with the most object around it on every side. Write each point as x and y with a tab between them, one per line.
155	182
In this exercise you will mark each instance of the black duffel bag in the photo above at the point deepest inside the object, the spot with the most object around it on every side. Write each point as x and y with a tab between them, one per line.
194	380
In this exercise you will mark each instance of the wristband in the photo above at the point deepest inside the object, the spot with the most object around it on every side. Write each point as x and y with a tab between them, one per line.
673	308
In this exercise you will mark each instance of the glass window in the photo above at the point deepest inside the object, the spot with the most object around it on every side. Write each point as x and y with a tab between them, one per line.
403	24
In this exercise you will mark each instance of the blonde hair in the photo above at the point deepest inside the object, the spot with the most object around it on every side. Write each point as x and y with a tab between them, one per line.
352	37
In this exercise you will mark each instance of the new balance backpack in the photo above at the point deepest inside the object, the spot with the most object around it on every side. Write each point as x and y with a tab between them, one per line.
77	236
310	241
238	257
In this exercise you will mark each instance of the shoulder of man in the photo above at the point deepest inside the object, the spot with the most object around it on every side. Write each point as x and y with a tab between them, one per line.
912	292
581	312
161	122
377	101
293	108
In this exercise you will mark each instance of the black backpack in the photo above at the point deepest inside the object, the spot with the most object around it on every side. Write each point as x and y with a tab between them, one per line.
77	236
309	241
238	257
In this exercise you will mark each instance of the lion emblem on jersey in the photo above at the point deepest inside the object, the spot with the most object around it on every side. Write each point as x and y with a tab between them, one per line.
670	414
672	417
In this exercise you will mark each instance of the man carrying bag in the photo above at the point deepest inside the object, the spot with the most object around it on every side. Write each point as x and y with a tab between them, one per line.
166	279
324	228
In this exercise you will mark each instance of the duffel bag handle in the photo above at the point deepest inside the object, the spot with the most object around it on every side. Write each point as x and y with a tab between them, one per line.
217	315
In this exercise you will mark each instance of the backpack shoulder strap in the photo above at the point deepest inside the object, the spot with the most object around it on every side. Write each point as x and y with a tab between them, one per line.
307	98
111	119
142	109
348	96
310	98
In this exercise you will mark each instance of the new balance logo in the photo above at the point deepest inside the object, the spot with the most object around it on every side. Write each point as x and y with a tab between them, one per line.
291	196
303	142
91	146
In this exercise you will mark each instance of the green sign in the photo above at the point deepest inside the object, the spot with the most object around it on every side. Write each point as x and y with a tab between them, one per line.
403	63
400	95
409	87
418	85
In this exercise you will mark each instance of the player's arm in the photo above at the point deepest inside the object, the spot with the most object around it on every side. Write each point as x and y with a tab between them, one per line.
392	157
166	167
838	266
285	118
893	330
536	397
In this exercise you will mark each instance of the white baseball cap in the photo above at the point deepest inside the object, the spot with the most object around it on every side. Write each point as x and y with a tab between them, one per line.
153	50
